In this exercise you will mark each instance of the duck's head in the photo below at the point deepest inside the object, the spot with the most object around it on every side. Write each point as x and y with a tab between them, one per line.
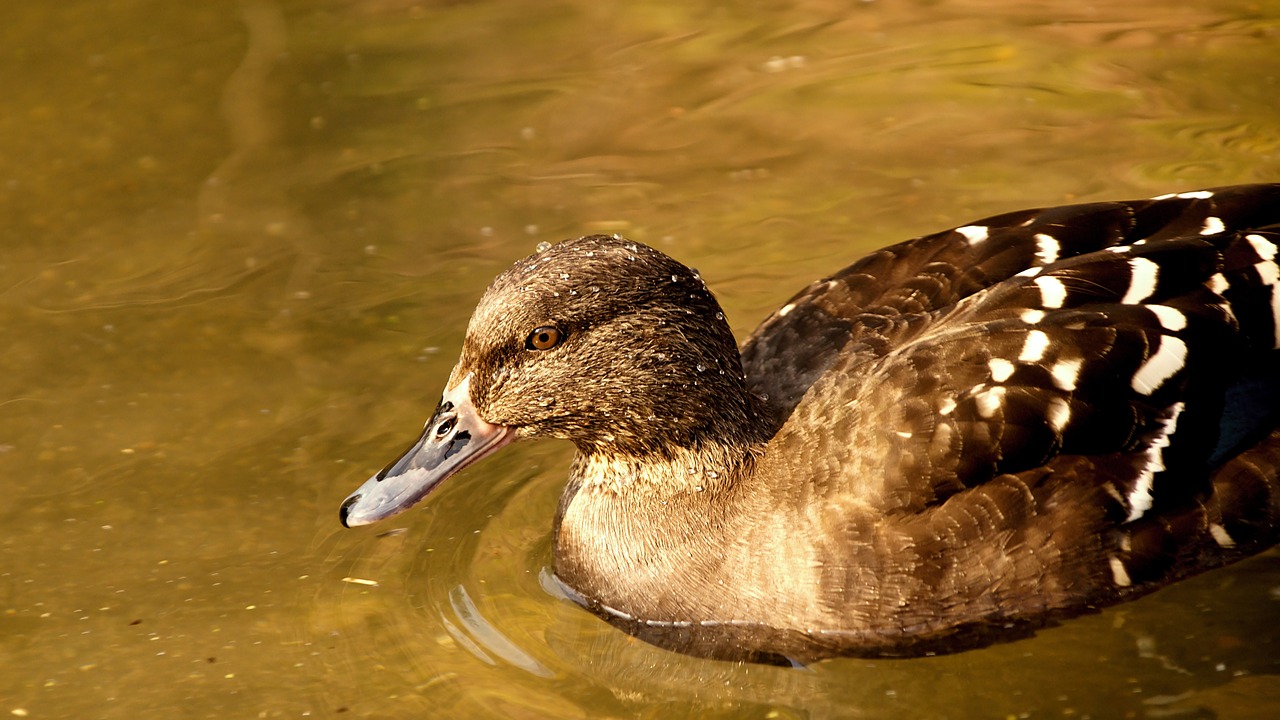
600	340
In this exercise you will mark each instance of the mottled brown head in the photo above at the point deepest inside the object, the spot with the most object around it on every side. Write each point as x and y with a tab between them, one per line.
608	343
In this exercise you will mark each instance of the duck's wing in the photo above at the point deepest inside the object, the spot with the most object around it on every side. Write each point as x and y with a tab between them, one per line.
1145	375
1093	426
1032	414
1162	354
887	297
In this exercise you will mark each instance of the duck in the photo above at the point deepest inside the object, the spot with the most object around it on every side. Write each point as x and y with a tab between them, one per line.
957	440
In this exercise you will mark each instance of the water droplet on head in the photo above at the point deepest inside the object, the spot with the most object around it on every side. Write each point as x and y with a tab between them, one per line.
719	316
564	276
701	367
543	246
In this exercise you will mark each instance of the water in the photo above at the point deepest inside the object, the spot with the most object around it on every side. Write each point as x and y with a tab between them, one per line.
241	242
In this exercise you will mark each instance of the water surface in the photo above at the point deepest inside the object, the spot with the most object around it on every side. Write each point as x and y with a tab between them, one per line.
240	244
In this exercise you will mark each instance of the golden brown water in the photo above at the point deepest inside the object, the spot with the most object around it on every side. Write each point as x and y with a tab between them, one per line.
239	244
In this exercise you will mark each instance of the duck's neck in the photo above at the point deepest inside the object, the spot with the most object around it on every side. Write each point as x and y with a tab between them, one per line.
645	527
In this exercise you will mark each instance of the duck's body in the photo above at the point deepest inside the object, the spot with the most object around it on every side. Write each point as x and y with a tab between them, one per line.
955	439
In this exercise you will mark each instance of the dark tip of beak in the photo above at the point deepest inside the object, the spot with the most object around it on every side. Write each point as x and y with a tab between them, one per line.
346	509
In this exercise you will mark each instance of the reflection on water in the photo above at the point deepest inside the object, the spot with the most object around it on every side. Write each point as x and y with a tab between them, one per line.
486	636
241	243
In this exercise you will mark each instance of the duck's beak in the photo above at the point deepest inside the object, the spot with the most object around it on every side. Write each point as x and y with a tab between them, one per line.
454	437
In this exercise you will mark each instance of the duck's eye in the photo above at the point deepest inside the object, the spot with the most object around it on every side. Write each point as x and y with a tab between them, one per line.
446	427
543	338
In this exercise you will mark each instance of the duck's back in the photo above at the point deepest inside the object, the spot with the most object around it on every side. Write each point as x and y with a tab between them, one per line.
1083	400
881	300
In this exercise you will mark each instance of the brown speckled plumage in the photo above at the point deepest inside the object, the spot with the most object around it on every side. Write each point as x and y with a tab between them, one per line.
953	441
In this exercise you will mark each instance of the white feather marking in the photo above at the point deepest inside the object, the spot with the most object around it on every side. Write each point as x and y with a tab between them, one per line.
1030	272
1046	248
1265	248
1212	226
1167	360
1220	536
1218	283
1166	196
973	233
1169	318
1119	249
941	442
1118	573
989	401
1268	271
903	434
782	312
946	406
1141	498
1001	369
1031	317
1270	274
1066	373
1052	292
1142	280
1195	195
1033	349
1058	413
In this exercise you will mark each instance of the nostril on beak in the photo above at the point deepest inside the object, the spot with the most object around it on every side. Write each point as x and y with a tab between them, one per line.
345	510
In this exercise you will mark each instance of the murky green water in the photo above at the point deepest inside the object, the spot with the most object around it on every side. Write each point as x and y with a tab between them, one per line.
239	244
